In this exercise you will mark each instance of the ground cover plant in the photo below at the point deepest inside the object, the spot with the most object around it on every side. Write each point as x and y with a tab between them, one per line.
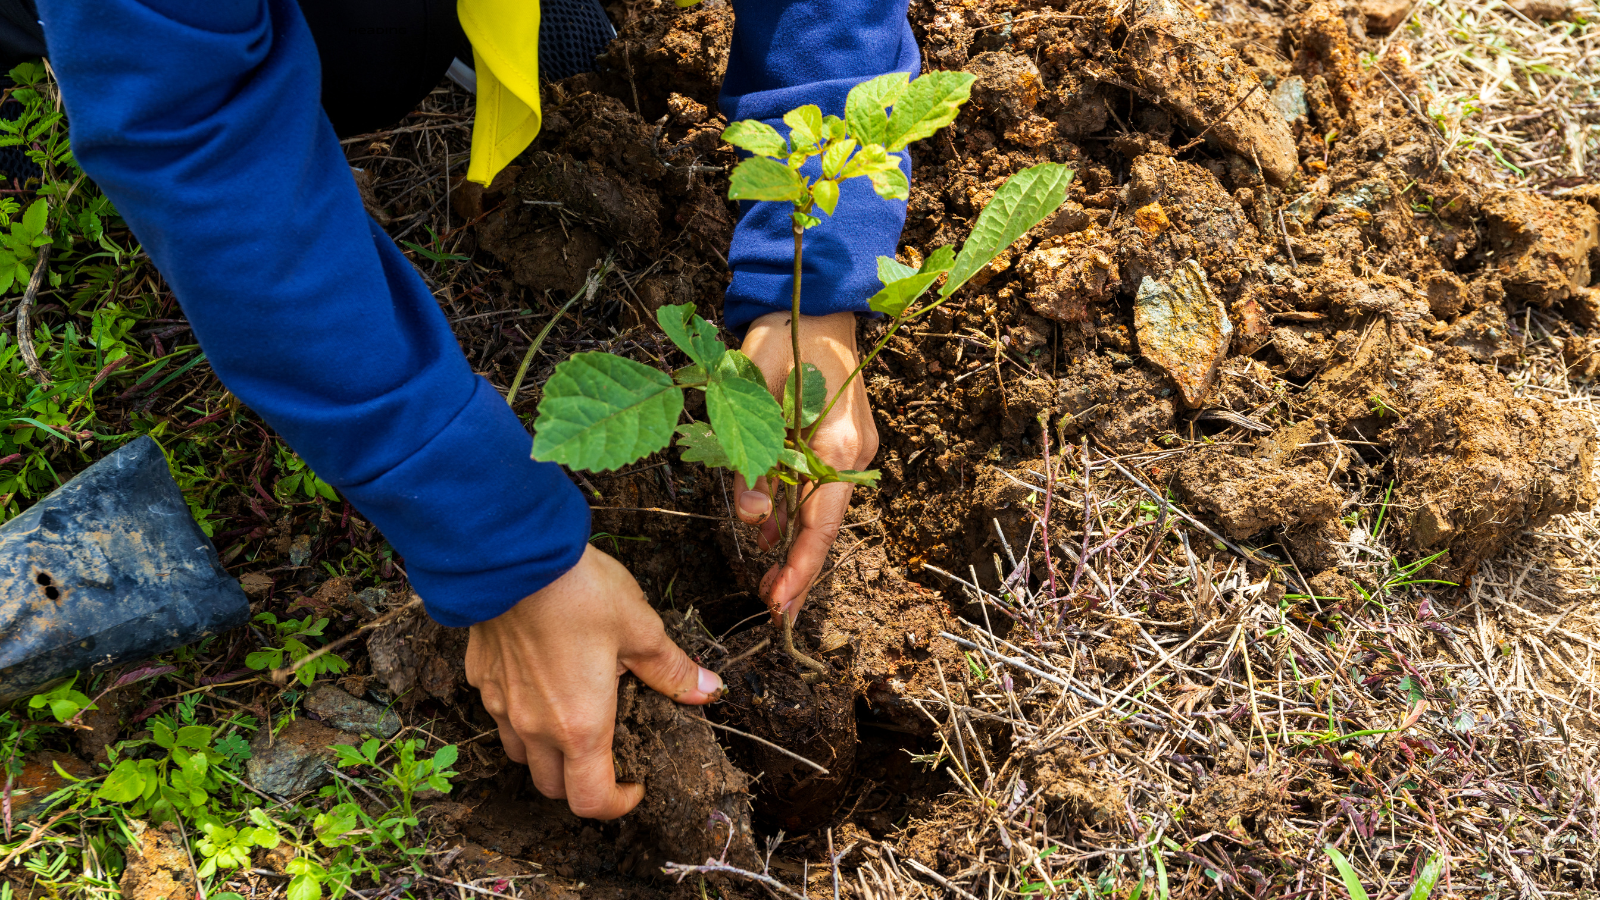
1088	640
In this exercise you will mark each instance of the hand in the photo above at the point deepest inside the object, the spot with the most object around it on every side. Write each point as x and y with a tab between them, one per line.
548	670
847	439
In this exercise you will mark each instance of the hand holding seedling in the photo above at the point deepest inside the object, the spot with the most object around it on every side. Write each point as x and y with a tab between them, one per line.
547	670
845	439
602	411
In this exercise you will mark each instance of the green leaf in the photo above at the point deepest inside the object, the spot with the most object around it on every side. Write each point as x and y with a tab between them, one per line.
940	260
1347	873
304	887
195	737
748	424
33	221
805	126
813	396
896	296
163	736
331	826
826	193
601	412
1024	201
891	184
759	178
891	270
737	365
929	104
692	334
864	107
806	221
124	784
445	757
757	137
868	478
699	444
834	158
1428	878
692	375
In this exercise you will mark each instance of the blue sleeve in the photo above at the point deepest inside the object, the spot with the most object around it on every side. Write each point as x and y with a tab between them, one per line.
785	54
202	122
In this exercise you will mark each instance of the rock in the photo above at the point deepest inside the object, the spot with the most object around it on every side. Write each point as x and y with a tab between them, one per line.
1384	16
1555	10
1183	328
1008	84
295	760
346	713
1248	496
39	780
158	866
1182	65
1289	96
1540	246
1065	275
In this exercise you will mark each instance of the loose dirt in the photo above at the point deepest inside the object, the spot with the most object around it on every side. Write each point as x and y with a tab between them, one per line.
1262	171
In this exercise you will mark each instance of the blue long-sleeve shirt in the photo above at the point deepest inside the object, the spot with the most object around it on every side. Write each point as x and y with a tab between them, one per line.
201	121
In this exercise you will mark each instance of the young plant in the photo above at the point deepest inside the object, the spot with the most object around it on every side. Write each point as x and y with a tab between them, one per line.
601	412
409	773
227	847
291	632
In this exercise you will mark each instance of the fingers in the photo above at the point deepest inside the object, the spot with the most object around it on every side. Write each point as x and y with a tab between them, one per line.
510	740
666	668
546	765
819	525
753	504
592	789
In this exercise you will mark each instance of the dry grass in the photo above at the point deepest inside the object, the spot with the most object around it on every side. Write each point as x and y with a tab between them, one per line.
1518	94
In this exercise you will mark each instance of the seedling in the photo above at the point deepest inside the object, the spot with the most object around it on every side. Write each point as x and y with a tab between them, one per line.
292	632
601	412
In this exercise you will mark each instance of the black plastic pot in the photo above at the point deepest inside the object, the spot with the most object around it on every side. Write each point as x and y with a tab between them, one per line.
109	568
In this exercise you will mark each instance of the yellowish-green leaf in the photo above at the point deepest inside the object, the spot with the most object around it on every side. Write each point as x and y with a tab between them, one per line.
699	444
891	270
759	178
929	104
805	126
834	158
757	137
693	335
748	425
896	296
891	184
813	396
826	195
864	107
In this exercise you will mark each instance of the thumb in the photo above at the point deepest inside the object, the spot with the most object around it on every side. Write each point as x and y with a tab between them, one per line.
672	673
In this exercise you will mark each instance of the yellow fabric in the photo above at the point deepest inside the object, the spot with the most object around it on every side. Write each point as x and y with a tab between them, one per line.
505	56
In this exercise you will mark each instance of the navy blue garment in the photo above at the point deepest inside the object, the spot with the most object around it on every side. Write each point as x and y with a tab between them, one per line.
786	54
200	120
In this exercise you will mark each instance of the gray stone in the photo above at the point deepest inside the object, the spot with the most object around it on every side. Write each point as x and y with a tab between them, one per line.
346	713
1183	328
295	760
1290	99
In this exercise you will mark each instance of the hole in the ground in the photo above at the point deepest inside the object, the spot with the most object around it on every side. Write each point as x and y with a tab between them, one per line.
52	593
43	578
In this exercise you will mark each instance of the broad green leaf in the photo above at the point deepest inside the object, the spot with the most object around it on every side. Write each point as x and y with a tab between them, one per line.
757	137
834	129
940	260
896	296
891	184
826	193
872	158
1351	882
601	412
796	461
163	736
759	178
1024	201
331	826
748	424
33	220
891	270
124	784
805	126
736	365
195	737
692	334
868	478
834	158
445	757
1428	878
699	444
929	104
864	107
304	887
813	396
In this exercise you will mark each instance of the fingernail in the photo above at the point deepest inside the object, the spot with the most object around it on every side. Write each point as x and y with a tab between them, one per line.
755	505
710	684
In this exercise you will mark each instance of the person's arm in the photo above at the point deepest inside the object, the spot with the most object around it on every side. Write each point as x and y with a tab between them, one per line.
201	122
786	54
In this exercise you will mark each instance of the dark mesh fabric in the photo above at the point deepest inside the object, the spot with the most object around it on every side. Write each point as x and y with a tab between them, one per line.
571	34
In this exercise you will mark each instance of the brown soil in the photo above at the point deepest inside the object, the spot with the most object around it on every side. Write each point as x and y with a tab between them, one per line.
1371	289
158	866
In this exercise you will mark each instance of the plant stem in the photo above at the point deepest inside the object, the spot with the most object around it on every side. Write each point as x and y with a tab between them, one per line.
588	291
789	647
791	496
